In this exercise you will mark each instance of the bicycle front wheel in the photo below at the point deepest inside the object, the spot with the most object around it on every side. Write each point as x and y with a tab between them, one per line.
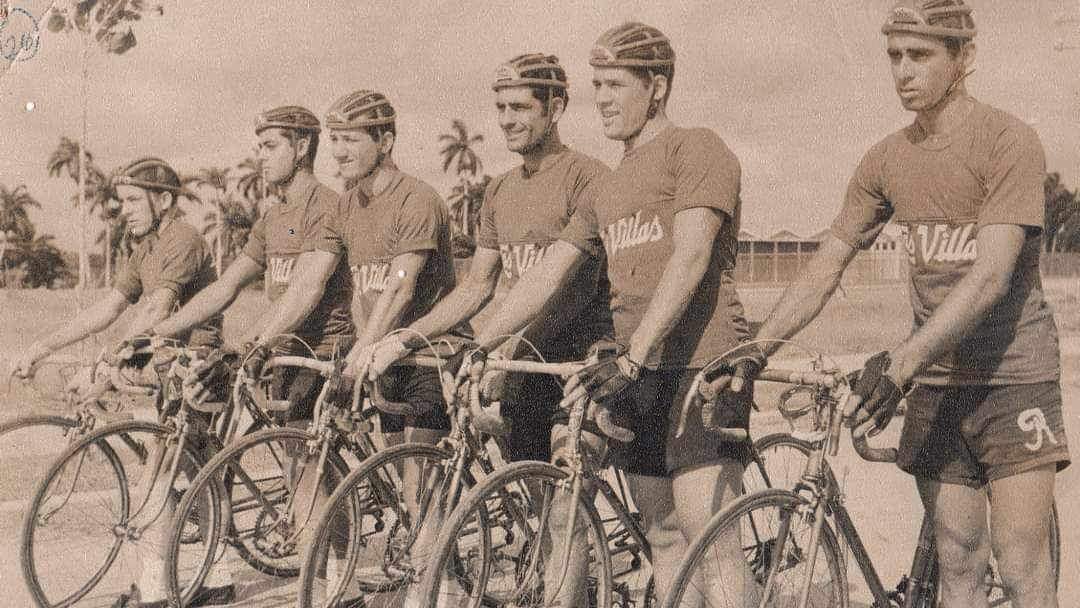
377	530
756	552
504	545
105	500
262	515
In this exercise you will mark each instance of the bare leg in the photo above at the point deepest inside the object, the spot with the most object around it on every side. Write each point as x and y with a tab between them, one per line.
654	497
1020	532
694	507
963	545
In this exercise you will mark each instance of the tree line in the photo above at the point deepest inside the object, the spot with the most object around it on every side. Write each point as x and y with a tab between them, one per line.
232	198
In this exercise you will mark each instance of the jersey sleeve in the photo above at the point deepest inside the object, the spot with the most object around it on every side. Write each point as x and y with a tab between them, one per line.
1014	180
331	229
127	280
707	174
419	221
583	229
255	248
322	209
488	235
181	261
866	209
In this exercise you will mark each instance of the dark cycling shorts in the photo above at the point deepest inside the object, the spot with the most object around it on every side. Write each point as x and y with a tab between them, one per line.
420	387
300	386
651	409
532	412
972	435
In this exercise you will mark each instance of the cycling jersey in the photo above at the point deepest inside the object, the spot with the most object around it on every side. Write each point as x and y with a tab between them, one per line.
175	257
407	216
523	214
278	239
942	189
632	219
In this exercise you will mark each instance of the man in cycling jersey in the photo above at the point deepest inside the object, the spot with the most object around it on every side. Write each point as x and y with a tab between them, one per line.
524	211
981	368
288	141
393	231
171	262
666	219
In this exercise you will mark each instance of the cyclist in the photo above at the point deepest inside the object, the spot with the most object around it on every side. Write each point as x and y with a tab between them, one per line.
523	213
667	218
394	232
288	141
981	368
170	263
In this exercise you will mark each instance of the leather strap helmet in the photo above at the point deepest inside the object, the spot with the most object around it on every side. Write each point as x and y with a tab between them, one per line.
632	45
287	117
936	18
360	109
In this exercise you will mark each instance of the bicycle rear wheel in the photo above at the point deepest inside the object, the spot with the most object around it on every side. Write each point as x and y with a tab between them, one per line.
85	506
258	475
375	532
757	545
494	548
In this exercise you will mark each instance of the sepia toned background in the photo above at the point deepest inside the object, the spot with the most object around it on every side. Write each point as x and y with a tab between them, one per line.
799	89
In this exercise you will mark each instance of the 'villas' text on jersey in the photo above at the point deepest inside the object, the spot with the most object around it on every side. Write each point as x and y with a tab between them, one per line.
942	190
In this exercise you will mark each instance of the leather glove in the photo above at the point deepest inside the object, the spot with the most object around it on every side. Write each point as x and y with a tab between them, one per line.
737	370
209	378
606	380
878	392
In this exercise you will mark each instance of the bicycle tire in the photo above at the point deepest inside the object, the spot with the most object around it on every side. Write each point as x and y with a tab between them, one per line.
123	431
218	471
367	478
480	501
835	595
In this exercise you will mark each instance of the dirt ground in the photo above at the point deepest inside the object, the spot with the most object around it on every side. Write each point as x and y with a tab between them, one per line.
858	322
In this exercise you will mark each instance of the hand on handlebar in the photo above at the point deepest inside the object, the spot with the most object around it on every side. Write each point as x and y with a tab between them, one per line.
602	382
208	379
733	372
874	397
385	353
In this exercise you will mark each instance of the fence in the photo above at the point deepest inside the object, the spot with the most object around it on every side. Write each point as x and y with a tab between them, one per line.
779	263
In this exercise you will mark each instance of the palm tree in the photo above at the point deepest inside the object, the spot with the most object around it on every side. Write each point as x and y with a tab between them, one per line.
214	177
15	224
228	226
105	27
95	195
465	201
41	262
460	146
251	184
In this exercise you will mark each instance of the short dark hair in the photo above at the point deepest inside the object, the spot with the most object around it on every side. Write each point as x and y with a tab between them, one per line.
293	135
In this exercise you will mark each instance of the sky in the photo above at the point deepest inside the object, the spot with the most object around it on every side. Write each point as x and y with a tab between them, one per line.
798	89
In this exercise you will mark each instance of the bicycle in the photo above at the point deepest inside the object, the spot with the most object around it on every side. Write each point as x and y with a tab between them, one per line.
377	543
262	471
501	562
85	502
783	533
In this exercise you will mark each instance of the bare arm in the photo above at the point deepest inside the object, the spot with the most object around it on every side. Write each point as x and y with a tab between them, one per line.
308	281
693	233
531	293
806	296
212	300
395	297
154	308
998	247
464	301
90	321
